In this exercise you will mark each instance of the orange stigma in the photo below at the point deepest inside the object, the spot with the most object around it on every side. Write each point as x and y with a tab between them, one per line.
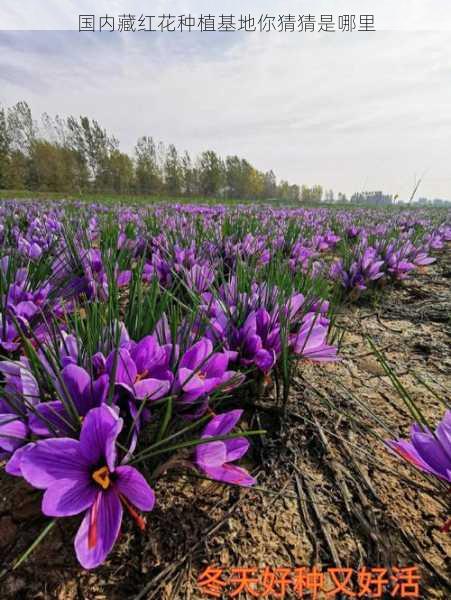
139	520
141	376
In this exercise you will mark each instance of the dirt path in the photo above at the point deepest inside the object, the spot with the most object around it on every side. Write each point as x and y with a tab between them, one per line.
333	495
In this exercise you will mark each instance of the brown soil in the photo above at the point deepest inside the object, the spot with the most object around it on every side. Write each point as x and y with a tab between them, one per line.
333	495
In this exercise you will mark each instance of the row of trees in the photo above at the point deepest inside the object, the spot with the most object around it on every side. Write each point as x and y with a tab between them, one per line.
78	155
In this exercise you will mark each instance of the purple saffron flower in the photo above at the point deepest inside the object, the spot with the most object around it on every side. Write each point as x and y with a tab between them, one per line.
84	394
143	371
199	278
141	374
429	452
311	340
201	371
214	458
259	340
293	306
81	475
10	338
422	259
21	389
68	349
123	278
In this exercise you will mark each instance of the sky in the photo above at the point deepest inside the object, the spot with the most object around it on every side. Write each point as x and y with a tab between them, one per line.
350	111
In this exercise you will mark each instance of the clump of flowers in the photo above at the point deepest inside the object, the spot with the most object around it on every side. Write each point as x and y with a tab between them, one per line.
130	336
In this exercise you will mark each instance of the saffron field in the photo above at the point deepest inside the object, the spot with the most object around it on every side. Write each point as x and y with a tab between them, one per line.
165	368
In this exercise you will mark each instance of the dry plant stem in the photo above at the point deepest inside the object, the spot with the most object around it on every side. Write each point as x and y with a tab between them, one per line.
304	514
320	519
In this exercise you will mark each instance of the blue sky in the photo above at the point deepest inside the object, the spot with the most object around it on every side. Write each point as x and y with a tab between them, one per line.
350	111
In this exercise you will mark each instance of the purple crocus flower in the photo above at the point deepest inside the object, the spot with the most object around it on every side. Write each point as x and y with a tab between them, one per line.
311	340
293	307
96	277
53	417
397	265
68	350
429	452
21	391
215	458
199	278
201	371
300	258
81	475
142	370
258	340
421	259
30	250
141	374
123	278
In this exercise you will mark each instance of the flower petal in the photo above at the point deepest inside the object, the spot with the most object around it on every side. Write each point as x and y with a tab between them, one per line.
197	354
13	466
145	352
213	454
236	448
135	488
76	381
52	460
408	452
222	424
98	435
216	365
432	453
13	432
231	474
125	366
107	520
67	497
152	389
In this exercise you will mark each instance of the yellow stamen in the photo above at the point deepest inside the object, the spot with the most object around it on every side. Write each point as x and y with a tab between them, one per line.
102	477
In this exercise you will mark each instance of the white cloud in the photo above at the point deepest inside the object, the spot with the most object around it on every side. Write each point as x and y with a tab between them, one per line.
345	110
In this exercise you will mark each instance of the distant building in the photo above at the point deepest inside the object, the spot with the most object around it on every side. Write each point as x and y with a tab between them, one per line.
372	198
434	202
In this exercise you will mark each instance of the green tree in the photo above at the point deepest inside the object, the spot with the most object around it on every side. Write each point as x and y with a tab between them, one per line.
311	194
93	146
211	173
149	178
270	185
78	154
189	176
16	171
21	134
234	177
121	176
4	147
254	182
173	172
22	129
